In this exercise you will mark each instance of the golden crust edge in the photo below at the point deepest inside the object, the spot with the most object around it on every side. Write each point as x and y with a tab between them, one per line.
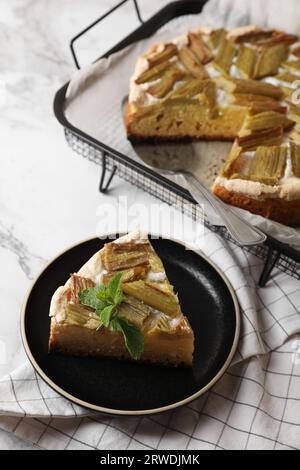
99	338
278	209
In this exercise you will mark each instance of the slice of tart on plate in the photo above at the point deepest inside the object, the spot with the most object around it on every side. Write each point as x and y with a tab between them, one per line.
120	304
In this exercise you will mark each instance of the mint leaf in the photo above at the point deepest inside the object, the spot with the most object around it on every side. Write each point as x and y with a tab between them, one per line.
89	297
134	339
105	314
105	300
102	295
114	290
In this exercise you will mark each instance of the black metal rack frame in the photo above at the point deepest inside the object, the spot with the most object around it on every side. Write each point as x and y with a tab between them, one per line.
274	252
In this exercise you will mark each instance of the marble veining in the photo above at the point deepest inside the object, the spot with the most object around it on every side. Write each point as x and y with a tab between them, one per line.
28	262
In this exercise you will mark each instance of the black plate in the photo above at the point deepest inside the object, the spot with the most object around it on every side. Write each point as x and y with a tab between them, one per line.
117	387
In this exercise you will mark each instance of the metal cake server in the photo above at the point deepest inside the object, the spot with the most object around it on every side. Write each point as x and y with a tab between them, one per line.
178	159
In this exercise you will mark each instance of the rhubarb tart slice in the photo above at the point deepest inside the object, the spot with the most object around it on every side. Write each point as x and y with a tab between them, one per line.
120	304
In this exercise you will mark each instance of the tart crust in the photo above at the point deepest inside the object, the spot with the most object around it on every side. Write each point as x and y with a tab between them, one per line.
278	209
168	349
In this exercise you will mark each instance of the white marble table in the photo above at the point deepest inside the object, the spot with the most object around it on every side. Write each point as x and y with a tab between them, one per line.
43	184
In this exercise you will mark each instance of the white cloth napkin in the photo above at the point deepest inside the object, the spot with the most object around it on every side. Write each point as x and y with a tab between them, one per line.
255	405
257	402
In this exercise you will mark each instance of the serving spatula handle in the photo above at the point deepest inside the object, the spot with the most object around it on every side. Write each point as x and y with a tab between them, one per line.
242	232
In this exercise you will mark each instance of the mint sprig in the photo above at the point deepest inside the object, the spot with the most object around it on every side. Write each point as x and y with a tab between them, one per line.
105	299
92	297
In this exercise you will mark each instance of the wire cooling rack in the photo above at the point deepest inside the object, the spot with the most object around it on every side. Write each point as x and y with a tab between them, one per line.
275	253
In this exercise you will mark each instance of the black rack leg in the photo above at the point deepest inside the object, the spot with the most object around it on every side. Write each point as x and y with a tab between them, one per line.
271	260
103	187
137	9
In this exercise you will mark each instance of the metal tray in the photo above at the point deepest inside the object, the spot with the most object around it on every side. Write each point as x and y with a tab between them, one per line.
274	252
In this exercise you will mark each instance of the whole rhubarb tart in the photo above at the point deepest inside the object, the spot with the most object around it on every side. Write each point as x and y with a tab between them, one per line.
235	85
